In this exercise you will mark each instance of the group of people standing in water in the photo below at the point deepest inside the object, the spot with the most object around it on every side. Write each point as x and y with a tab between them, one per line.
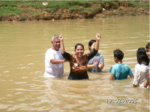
93	61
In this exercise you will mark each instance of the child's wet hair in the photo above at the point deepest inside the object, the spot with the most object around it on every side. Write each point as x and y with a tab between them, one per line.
119	54
91	42
78	45
148	46
142	57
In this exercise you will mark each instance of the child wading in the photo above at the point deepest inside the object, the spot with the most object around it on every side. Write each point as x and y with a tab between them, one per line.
141	69
97	58
119	71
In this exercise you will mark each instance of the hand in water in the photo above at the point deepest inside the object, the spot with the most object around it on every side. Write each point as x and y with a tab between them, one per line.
60	37
98	37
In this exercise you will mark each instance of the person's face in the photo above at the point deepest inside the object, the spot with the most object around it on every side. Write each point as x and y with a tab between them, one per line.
56	44
148	53
92	46
79	51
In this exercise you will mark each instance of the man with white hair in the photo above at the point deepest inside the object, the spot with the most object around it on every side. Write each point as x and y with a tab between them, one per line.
54	60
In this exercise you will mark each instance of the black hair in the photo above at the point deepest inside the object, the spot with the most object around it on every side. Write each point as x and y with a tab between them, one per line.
91	42
148	46
119	54
78	45
142	57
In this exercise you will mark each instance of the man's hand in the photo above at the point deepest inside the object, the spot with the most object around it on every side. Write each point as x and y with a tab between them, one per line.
65	60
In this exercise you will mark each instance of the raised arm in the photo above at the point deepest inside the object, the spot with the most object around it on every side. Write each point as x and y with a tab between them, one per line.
62	48
95	50
98	37
66	55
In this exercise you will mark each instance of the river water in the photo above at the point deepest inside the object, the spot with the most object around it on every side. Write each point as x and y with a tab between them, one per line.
22	52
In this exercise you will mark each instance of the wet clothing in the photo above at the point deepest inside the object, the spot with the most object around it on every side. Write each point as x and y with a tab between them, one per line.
78	70
53	70
140	74
120	71
99	59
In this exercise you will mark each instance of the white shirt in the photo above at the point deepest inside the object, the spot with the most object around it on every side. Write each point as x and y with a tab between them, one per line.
53	70
140	74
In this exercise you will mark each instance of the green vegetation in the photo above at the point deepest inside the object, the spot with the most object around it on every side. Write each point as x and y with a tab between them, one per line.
10	11
22	7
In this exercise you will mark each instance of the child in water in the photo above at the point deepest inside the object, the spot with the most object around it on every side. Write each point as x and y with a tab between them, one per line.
141	69
119	71
97	58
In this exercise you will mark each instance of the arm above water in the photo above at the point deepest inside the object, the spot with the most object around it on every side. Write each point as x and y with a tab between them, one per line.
98	37
131	76
130	73
112	71
101	62
136	76
112	77
100	66
147	82
95	50
62	48
56	61
91	66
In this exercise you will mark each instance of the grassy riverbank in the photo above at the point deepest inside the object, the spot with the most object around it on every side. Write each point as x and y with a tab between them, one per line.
35	10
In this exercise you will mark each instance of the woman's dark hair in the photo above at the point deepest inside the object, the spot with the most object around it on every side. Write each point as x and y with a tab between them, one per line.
142	57
119	54
91	42
148	46
78	45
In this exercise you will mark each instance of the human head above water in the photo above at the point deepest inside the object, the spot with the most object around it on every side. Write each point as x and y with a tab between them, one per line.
118	54
79	44
55	36
142	57
79	50
148	50
148	46
91	45
56	42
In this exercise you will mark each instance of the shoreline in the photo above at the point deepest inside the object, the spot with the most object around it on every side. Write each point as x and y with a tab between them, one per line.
20	11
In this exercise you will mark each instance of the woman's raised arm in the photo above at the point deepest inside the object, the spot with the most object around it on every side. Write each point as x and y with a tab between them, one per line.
62	48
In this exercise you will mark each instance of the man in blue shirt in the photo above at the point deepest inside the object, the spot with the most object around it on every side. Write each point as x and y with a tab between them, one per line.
119	71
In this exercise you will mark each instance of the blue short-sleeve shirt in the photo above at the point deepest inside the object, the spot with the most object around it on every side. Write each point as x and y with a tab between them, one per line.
120	71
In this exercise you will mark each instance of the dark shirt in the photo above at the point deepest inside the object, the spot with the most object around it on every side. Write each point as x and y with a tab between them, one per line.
79	70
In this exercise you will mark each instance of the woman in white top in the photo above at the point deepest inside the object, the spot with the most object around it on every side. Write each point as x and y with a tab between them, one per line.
141	69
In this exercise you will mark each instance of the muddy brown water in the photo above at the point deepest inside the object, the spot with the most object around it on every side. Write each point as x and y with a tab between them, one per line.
22	52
